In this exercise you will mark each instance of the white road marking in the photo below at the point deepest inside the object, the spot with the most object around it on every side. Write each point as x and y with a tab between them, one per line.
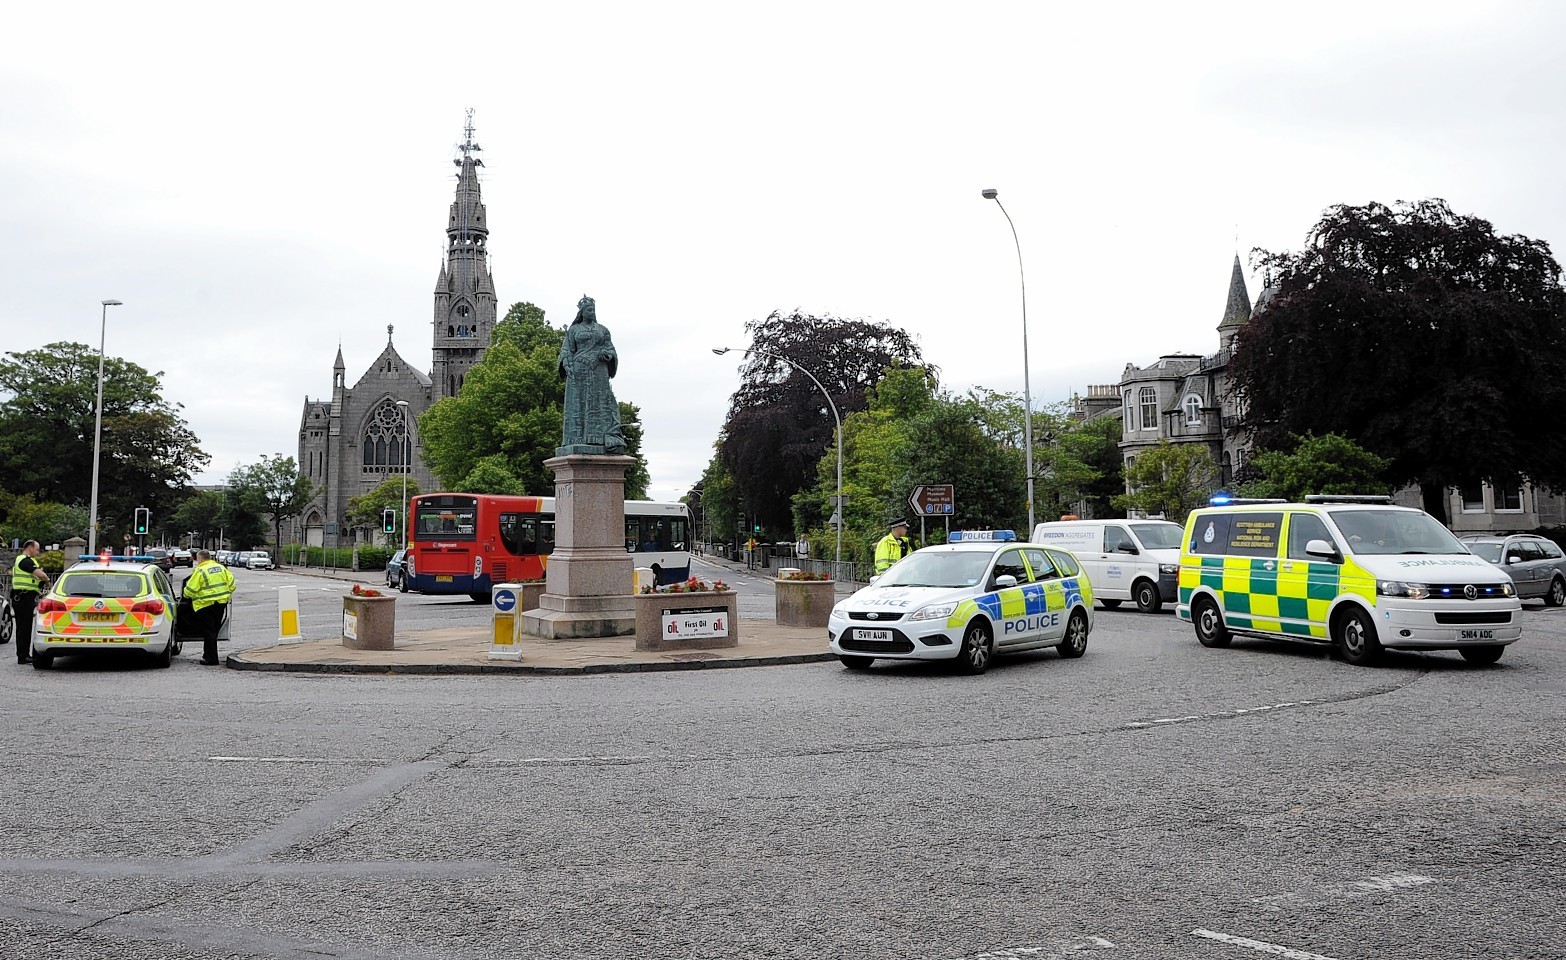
1328	893
1261	946
560	761
1057	951
294	760
1237	712
1392	881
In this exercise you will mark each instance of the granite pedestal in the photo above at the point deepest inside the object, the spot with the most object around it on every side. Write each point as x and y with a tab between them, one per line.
587	587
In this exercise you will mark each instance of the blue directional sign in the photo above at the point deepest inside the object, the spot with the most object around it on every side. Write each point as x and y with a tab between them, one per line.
505	600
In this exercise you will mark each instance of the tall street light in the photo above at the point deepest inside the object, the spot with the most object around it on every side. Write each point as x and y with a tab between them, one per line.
837	510
991	193
97	432
407	437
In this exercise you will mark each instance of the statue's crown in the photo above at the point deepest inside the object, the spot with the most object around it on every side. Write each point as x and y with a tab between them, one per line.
586	301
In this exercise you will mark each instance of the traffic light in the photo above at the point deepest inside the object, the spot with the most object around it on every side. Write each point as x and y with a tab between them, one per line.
389	520
143	520
756	528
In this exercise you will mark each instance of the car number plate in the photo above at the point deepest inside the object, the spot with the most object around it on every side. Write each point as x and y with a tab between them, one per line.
97	617
1478	635
860	633
442	579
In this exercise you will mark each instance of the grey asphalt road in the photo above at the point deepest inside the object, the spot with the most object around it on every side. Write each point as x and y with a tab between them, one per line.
1152	799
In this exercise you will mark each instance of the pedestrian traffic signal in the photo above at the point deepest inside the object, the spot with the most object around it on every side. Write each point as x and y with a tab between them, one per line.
389	520
143	520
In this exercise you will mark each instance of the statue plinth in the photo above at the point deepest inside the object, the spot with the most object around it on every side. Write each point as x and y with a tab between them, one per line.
587	585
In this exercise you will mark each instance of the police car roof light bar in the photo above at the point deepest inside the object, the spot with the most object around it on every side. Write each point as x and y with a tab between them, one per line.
1348	498
969	536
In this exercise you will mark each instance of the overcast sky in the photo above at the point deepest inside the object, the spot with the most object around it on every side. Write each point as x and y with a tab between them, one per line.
258	182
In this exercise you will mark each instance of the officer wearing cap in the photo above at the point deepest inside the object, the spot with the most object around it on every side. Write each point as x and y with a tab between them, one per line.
28	580
892	547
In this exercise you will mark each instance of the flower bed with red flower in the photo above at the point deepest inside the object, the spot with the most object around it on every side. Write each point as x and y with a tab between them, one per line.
693	585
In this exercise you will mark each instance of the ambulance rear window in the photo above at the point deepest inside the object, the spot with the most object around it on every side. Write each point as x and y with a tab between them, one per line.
1237	534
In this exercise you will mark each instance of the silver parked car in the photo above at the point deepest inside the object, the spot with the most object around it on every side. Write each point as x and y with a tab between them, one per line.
1536	564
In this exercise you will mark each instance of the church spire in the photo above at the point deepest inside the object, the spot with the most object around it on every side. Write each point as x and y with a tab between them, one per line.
465	298
1238	309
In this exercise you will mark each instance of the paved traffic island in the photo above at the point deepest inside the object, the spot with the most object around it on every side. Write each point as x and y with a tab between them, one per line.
464	650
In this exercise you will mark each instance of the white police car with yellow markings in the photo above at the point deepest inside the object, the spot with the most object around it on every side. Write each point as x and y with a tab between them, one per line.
981	595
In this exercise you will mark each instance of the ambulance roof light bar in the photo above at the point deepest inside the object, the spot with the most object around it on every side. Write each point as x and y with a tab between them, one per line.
1348	498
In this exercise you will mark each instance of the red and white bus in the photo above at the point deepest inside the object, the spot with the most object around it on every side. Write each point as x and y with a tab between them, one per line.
467	542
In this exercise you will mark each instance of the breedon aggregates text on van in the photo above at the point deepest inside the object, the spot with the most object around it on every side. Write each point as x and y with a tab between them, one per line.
1360	575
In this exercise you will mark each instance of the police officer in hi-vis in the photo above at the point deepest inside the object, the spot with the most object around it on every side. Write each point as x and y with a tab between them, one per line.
207	591
28	580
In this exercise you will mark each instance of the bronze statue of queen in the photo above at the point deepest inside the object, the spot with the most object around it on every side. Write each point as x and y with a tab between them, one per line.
588	362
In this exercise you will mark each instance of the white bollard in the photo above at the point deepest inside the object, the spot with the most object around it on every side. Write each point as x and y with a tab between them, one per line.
288	613
506	638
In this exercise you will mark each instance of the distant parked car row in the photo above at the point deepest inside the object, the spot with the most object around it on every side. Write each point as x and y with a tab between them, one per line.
249	559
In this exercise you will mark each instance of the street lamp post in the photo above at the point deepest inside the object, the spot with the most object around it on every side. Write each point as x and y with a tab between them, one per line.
990	193
407	436
97	432
837	508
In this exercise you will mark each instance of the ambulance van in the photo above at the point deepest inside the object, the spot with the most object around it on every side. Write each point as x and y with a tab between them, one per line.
1136	560
1354	572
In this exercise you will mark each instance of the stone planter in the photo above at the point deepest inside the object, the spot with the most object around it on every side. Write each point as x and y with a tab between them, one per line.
803	603
369	623
681	621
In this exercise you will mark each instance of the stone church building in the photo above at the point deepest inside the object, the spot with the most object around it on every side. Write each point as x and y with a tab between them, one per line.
368	432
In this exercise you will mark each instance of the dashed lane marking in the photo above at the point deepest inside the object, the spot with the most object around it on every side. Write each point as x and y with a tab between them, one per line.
1060	950
1261	946
347	760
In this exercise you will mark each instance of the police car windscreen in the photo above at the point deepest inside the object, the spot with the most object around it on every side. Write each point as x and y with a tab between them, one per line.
1395	531
1158	536
937	569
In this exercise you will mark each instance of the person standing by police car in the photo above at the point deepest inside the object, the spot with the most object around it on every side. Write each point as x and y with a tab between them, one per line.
892	547
28	580
207	591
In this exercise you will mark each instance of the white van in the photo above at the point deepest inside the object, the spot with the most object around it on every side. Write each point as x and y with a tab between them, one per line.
1135	560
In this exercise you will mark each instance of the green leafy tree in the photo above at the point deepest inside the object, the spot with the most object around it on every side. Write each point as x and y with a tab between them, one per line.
200	513
272	487
368	510
1170	480
22	517
1325	464
509	415
48	398
779	423
1420	333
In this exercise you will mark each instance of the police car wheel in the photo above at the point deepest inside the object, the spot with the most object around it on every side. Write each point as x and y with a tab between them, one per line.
43	661
1110	604
1356	638
1075	643
856	663
1554	598
1488	654
1210	630
974	656
1147	599
164	658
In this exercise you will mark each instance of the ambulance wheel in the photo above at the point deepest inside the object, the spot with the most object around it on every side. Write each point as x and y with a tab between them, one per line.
1210	630
974	656
856	663
1075	643
1110	604
1557	594
1146	593
1488	654
1356	637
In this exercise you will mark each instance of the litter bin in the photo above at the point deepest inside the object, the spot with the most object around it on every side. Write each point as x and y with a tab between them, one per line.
763	555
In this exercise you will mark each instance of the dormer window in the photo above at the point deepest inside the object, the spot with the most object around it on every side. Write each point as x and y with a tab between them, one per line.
1193	411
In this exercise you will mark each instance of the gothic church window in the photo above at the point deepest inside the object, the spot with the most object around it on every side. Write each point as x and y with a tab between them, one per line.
385	440
462	310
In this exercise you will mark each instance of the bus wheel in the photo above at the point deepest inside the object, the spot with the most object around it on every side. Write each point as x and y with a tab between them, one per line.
479	597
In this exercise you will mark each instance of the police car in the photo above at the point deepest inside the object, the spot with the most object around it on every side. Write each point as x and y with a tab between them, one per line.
980	595
107	605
